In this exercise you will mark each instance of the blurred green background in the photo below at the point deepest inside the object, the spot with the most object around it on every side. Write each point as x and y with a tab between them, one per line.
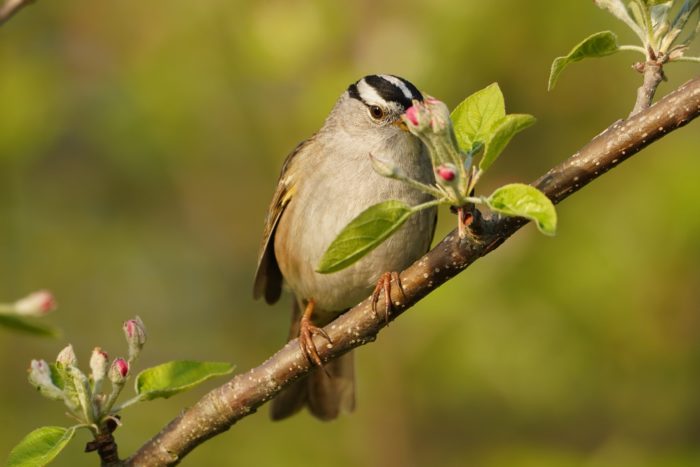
140	143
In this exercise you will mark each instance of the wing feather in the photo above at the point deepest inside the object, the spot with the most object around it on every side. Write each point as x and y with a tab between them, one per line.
268	277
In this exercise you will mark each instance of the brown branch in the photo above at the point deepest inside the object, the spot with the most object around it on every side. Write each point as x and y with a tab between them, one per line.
104	443
10	8
218	410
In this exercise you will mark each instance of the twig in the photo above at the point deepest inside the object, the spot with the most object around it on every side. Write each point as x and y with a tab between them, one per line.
653	71
10	8
105	445
218	410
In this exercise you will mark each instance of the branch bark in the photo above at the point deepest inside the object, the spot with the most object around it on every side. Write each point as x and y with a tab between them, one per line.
10	8
218	410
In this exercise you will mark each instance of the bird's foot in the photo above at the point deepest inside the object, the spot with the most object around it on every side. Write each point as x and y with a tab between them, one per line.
307	331
384	285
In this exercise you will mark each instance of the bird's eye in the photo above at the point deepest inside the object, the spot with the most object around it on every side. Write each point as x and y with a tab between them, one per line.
376	112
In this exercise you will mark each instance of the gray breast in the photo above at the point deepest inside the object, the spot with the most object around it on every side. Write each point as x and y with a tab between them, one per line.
338	182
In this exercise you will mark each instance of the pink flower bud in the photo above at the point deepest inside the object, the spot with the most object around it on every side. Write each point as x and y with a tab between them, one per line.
446	172
98	364
66	357
35	304
118	371
412	115
135	333
40	373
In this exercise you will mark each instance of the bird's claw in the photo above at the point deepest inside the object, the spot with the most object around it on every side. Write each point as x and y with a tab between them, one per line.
307	331
384	285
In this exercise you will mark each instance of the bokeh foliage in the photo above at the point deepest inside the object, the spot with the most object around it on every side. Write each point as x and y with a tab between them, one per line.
139	147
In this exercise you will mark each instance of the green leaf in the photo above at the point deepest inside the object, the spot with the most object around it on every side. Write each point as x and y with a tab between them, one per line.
599	44
57	376
526	201
659	12
364	233
684	13
62	378
692	34
638	11
503	132
474	118
618	9
81	386
171	378
40	446
28	325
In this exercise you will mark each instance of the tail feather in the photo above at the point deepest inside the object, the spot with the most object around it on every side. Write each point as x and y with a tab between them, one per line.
290	401
328	394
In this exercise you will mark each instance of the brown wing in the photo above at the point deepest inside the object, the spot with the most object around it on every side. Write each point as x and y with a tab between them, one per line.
268	277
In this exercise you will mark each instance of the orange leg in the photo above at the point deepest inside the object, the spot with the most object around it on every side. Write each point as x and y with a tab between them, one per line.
384	284
307	331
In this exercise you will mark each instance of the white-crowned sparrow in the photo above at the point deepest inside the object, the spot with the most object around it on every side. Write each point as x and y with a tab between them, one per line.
325	183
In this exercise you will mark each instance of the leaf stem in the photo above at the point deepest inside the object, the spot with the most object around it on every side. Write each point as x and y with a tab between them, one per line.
648	23
687	59
132	401
90	426
633	48
425	188
112	398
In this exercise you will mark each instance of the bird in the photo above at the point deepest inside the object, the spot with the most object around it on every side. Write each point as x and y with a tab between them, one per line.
325	182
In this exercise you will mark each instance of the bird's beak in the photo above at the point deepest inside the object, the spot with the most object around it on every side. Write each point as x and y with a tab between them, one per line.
400	124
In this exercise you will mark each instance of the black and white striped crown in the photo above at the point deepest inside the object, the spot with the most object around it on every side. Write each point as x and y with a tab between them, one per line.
384	89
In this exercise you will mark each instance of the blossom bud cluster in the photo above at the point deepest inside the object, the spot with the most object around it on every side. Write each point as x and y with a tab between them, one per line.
429	120
82	394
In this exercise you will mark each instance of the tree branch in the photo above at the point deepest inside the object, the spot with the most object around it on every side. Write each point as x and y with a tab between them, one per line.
218	410
10	7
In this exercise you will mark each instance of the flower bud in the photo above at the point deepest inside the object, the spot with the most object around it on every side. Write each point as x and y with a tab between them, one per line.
40	373
35	304
40	378
135	333
427	118
383	167
66	357
439	115
446	172
118	371
98	364
416	117
412	115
